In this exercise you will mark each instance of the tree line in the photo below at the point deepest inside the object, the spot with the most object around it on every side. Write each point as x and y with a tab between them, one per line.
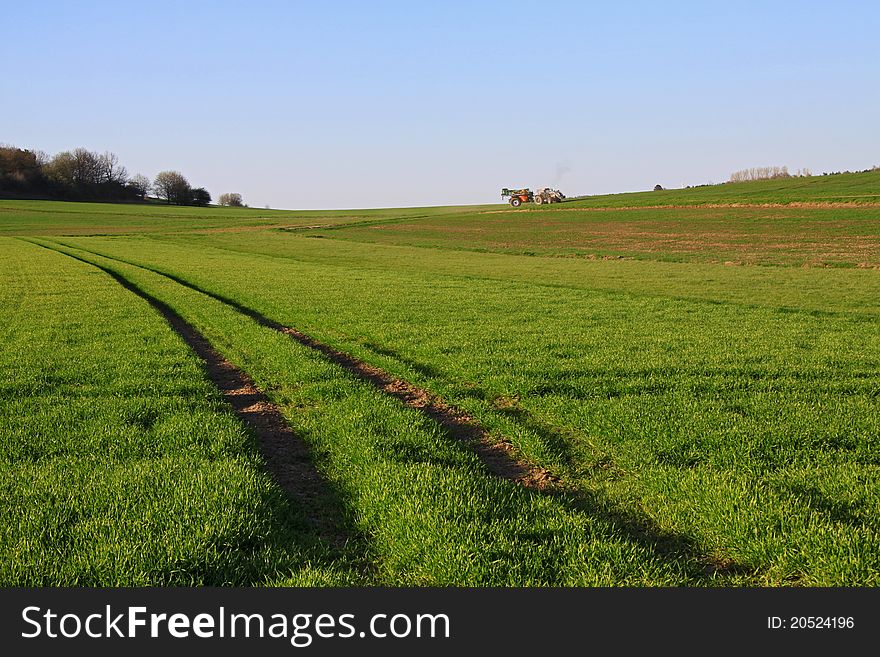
84	175
766	173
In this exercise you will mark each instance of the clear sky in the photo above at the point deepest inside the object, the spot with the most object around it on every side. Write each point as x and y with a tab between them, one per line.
374	104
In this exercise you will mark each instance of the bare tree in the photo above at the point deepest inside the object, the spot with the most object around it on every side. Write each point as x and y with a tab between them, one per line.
232	199
139	184
173	187
87	167
111	170
760	173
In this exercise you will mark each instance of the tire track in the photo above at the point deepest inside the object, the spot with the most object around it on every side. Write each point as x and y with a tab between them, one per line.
499	456
287	456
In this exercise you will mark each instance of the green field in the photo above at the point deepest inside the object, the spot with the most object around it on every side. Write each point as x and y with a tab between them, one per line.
704	383
61	218
850	188
818	237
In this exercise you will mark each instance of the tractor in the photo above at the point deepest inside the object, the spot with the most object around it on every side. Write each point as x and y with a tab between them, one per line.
543	195
547	195
517	196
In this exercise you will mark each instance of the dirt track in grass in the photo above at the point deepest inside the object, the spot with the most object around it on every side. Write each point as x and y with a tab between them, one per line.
287	457
499	456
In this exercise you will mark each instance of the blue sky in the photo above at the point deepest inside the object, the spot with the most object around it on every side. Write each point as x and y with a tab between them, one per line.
353	104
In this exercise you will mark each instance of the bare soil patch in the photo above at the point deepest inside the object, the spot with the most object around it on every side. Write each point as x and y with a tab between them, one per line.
793	204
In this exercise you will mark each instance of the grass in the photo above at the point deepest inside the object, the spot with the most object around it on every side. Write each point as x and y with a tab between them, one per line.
851	188
778	236
646	402
63	218
120	464
713	425
423	508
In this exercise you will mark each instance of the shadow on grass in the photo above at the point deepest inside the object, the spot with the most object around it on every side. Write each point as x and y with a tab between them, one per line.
679	549
852	515
425	370
598	384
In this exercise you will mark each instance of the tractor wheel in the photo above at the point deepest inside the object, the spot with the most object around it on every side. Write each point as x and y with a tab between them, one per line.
538	199
515	202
